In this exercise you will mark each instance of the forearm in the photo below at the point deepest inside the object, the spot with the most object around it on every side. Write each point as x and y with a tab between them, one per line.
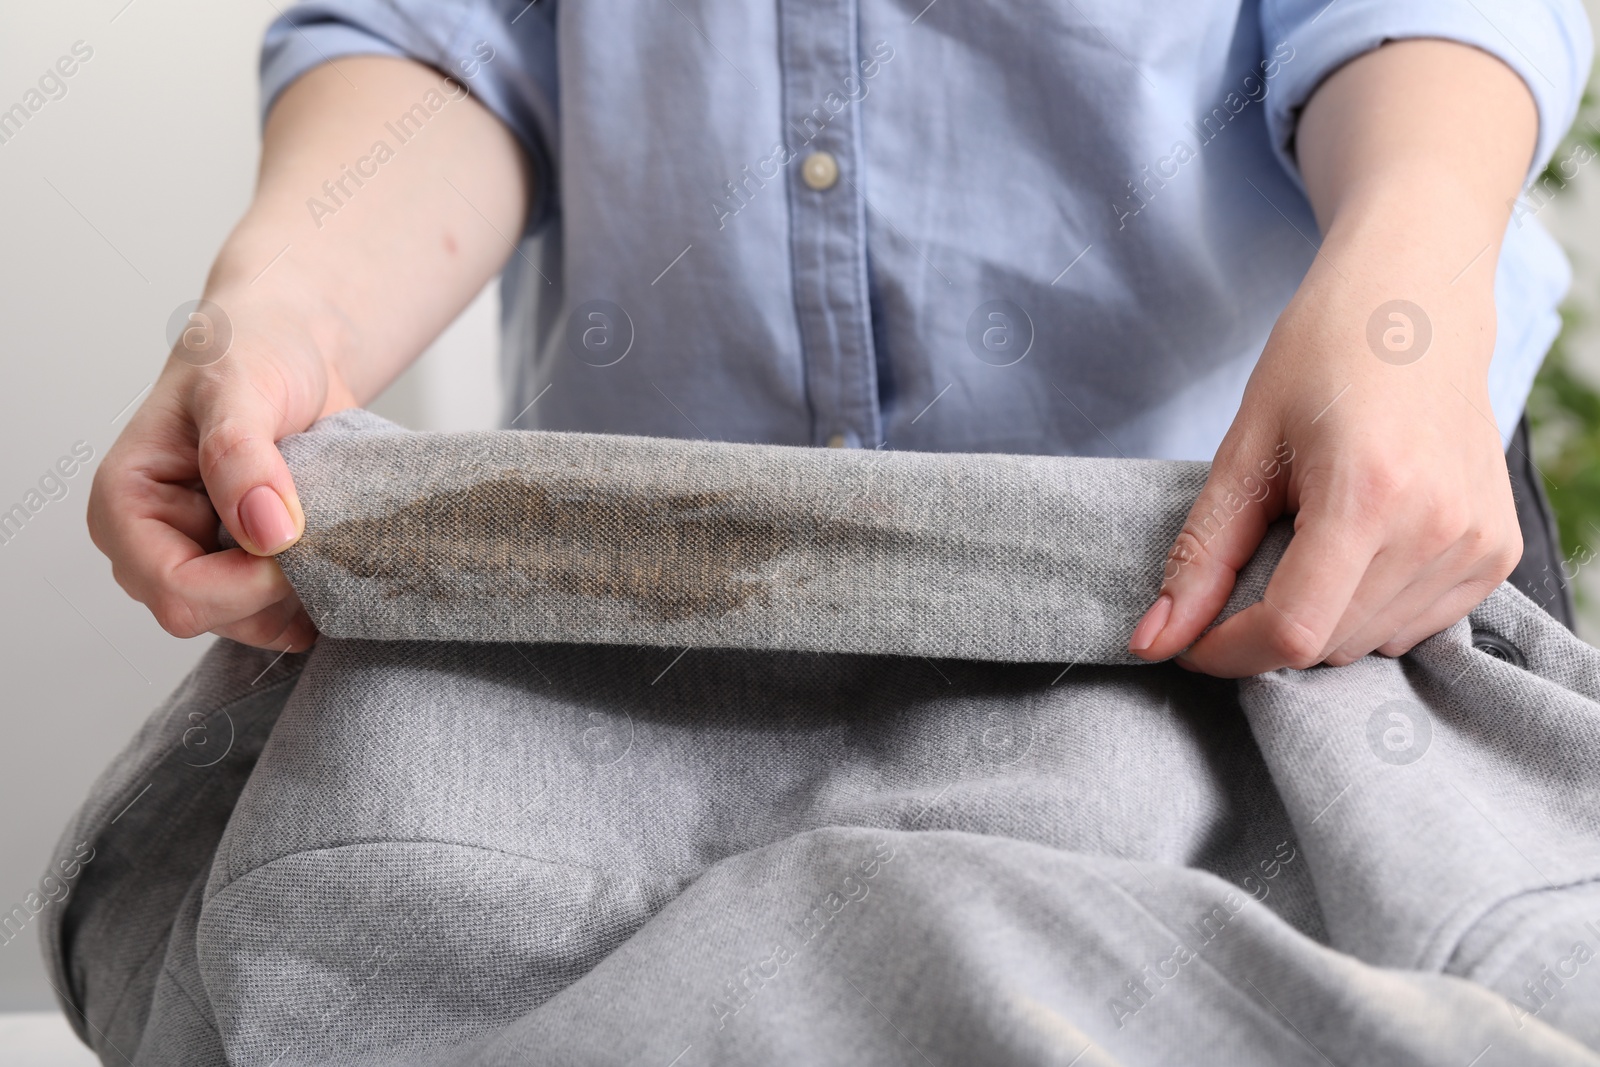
1418	149
380	247
1374	379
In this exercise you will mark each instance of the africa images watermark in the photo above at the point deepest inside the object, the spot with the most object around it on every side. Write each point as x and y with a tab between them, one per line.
53	486
737	194
1399	732
1549	587
1143	987
1137	992
1399	332
1204	528
1283	855
1544	987
403	128
1252	89
1542	190
741	989
53	889
51	85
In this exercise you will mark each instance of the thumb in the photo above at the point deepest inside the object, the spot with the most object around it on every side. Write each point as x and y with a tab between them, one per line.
245	476
1245	491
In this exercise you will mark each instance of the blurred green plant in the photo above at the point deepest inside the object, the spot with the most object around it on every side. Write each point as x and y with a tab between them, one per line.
1564	407
1564	421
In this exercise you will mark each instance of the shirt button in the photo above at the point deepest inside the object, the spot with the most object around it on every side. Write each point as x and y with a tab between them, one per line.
820	170
836	441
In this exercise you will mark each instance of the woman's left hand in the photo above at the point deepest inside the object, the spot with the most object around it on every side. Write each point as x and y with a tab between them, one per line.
1367	416
1368	419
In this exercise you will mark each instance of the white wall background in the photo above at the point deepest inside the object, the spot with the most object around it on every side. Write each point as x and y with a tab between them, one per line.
116	196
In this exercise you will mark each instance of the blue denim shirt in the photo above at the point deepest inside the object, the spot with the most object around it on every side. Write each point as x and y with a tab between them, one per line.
1059	227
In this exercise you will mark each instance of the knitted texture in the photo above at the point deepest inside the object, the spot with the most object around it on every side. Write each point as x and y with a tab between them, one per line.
528	536
467	850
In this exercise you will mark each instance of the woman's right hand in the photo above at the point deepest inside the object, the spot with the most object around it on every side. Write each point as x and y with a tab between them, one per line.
326	308
202	448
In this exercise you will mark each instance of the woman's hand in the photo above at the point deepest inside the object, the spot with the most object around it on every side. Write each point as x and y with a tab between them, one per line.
1393	470
1367	416
326	307
202	448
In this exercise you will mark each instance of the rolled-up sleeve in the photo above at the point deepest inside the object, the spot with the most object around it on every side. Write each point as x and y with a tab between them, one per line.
1547	42
504	53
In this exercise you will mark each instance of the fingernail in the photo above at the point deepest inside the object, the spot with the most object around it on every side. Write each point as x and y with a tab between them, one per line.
1150	627
266	521
1186	665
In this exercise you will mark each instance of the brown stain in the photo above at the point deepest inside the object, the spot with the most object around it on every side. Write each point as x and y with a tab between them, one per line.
672	556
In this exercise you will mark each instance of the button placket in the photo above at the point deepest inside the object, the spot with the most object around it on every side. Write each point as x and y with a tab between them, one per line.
827	232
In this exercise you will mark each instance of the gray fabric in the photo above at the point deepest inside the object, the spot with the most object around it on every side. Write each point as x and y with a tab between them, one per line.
457	852
632	540
153	819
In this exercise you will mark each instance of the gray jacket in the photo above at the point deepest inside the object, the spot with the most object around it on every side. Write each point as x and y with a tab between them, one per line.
618	750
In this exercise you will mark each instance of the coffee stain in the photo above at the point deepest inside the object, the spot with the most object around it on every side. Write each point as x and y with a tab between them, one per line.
673	556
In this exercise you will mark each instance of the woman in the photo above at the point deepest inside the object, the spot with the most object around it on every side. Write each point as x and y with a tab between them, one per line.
1085	230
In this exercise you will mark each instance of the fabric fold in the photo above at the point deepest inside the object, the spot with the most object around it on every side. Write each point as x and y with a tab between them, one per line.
536	536
475	847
